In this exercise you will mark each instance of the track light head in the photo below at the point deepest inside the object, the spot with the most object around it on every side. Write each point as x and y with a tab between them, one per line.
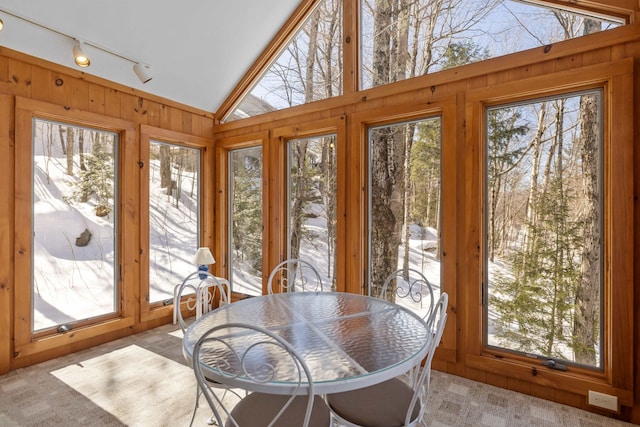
1	24
80	58
142	71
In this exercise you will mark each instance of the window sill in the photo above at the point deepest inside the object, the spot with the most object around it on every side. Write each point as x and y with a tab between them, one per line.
534	372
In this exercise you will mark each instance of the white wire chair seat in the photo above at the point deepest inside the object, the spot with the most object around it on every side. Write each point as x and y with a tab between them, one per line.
260	357
197	292
294	275
413	288
398	402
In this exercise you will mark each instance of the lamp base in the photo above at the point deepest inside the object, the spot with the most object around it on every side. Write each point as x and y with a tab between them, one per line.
204	268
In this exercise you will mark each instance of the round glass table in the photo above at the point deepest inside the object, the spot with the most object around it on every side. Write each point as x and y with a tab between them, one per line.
348	341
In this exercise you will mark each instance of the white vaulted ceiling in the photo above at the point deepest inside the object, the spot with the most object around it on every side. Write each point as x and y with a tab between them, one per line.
197	49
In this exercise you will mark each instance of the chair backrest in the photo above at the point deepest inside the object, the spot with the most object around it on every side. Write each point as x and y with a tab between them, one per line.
410	288
294	275
421	378
254	355
199	289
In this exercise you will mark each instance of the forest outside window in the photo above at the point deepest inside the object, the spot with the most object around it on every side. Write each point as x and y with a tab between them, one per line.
312	204
75	219
401	40
405	202
174	216
544	247
245	220
309	67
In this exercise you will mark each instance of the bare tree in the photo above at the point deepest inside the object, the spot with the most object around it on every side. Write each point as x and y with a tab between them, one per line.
165	168
70	150
587	302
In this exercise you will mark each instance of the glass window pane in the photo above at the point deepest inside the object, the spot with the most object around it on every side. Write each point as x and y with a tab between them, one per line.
544	241
245	220
312	204
308	69
74	223
405	203
174	223
400	40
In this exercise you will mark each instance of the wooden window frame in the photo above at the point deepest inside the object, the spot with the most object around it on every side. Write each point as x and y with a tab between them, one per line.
277	194
151	311
221	166
616	81
444	107
26	342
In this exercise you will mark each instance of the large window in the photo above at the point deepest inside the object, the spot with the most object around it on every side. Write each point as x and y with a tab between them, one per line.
308	68
400	40
405	201
245	220
312	204
544	228
75	255
174	216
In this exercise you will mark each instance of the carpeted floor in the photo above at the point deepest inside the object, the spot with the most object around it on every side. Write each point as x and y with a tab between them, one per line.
143	380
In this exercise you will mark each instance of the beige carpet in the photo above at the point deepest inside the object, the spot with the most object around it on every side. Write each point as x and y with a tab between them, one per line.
143	381
132	384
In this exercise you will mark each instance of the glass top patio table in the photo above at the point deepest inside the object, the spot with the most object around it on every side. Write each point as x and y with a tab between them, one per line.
348	341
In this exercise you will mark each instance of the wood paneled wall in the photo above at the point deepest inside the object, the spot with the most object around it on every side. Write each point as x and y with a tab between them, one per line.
451	93
32	79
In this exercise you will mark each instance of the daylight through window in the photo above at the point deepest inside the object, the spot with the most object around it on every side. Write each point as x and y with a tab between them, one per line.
423	36
74	223
405	203
174	200
543	225
245	220
312	204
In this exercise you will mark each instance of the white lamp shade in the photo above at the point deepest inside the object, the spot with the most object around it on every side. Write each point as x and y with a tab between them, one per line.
204	257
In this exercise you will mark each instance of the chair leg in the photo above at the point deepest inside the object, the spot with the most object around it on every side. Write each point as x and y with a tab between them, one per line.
195	407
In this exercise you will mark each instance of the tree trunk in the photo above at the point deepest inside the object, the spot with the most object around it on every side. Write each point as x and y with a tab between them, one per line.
298	154
382	41
81	149
384	239
70	138
401	41
297	184
587	304
63	144
406	196
532	200
587	299
165	167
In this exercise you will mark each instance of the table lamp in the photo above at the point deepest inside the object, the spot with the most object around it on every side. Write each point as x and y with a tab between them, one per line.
203	258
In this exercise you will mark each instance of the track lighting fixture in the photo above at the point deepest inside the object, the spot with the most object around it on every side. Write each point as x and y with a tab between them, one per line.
81	59
143	72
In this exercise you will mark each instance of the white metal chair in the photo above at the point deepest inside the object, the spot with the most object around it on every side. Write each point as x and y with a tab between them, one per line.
262	358
199	290
202	288
294	275
399	402
412	290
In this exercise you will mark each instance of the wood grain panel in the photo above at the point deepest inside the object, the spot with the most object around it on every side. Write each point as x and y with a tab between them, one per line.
96	95
6	231
19	78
